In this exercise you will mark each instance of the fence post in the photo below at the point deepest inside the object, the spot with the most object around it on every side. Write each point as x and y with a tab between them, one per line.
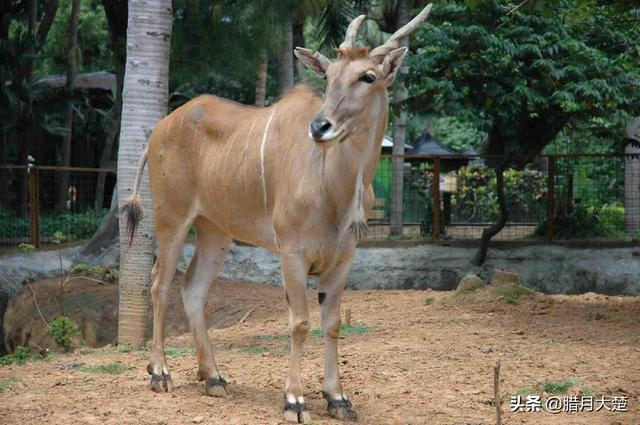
551	178
436	198
34	205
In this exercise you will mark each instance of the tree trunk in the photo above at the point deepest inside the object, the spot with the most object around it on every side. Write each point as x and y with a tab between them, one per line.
72	69
144	103
261	83
399	130
499	224
116	13
632	178
25	139
285	60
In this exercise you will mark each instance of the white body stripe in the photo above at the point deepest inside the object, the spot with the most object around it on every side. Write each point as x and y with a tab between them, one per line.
262	170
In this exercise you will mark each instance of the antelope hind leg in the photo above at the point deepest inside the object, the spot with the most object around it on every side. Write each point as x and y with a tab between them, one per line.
170	240
211	249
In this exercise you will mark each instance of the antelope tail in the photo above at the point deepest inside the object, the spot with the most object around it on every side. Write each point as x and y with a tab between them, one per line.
132	208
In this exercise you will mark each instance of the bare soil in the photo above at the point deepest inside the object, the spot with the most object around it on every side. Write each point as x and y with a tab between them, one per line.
416	357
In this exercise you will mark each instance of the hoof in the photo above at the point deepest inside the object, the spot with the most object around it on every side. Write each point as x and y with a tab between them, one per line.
160	382
296	412
216	387
341	409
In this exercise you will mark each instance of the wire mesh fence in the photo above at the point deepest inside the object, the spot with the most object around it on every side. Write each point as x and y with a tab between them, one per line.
556	197
43	203
592	196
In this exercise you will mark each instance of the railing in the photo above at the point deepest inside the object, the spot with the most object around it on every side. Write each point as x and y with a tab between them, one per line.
556	197
41	203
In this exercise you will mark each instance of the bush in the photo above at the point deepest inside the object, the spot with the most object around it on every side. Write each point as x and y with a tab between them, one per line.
20	357
62	330
587	222
73	225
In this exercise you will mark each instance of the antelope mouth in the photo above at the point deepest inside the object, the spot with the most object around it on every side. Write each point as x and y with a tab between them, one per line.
338	134
328	137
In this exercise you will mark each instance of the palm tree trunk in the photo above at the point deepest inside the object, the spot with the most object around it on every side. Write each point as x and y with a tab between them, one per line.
261	83
285	60
144	103
72	69
399	130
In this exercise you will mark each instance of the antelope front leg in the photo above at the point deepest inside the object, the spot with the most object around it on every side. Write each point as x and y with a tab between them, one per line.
294	277
329	296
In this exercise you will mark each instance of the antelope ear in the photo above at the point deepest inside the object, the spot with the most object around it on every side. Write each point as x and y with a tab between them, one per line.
391	64
314	61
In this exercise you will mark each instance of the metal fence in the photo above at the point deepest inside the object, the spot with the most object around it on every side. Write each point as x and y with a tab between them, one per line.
556	197
40	204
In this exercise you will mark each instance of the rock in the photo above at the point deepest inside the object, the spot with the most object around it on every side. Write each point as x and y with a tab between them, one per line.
486	350
469	282
503	277
197	420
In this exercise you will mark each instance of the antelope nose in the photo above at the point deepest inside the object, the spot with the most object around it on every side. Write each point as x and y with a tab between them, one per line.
319	128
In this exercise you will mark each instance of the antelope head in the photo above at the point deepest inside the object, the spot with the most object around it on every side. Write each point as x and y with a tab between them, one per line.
356	81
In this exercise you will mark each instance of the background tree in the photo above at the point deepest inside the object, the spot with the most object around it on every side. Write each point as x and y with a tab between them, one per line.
522	77
145	96
72	70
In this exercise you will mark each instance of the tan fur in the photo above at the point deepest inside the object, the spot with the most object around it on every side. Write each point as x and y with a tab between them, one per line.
255	175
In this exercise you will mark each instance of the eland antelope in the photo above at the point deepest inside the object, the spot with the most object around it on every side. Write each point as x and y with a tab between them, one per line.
294	178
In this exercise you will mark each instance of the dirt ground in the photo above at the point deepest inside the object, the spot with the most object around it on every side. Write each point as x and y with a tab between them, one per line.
413	357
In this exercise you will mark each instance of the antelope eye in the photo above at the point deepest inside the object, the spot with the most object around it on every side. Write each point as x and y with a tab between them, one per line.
368	78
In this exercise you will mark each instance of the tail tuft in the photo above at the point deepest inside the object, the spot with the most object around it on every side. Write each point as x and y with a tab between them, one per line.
132	209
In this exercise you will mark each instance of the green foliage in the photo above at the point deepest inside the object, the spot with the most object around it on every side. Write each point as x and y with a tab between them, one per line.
475	198
112	275
456	134
26	247
20	357
523	77
177	352
78	268
583	221
108	368
253	350
57	237
512	293
357	329
62	330
73	225
94	53
560	387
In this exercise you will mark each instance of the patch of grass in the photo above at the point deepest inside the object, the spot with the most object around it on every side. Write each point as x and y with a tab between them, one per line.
107	368
525	391
20	357
178	352
429	300
124	348
253	350
357	329
585	391
559	387
512	293
5	383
